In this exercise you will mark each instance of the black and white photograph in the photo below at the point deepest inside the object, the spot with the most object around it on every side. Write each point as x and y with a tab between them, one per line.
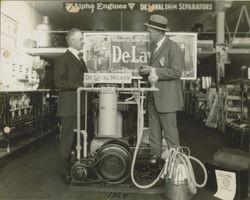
125	100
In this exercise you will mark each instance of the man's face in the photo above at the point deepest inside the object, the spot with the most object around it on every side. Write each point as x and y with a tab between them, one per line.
77	41
154	34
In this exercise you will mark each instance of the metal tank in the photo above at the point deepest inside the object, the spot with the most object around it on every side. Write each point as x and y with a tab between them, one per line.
44	38
108	117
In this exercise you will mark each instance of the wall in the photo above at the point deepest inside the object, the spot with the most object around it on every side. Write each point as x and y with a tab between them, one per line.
16	67
26	17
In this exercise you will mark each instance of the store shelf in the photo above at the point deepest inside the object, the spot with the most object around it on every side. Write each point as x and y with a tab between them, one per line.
232	97
239	51
55	52
233	53
205	54
241	55
236	109
46	52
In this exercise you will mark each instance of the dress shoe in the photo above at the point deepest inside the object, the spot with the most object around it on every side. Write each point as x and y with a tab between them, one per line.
66	178
153	160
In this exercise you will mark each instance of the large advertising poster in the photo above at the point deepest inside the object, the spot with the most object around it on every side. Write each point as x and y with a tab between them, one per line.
116	52
123	51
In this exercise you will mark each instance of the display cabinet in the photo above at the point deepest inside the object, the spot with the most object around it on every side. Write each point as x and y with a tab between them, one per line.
25	117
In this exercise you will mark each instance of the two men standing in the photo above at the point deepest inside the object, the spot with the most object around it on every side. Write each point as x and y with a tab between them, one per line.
168	61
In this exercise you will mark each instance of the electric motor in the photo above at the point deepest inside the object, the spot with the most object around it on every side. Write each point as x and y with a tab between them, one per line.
114	161
79	172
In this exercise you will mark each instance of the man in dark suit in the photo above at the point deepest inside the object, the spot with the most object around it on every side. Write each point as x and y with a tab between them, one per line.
68	76
168	61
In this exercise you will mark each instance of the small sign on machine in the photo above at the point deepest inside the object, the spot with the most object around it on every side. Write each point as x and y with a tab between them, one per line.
107	77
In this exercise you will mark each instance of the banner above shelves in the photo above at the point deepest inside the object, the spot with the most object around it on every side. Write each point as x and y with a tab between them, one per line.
75	7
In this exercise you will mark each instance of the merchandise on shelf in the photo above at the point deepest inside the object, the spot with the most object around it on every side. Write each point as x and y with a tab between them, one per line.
235	103
20	71
43	36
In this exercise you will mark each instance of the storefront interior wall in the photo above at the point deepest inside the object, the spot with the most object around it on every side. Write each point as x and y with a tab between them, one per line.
26	17
133	21
29	14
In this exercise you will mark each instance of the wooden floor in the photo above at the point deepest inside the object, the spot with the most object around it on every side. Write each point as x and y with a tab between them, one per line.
33	173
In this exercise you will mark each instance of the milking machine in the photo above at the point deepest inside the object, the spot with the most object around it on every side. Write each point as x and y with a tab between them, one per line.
110	159
110	156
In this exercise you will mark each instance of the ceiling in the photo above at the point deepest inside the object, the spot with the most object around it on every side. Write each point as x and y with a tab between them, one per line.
127	20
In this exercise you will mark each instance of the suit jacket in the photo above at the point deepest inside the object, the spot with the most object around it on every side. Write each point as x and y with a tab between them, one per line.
68	76
169	64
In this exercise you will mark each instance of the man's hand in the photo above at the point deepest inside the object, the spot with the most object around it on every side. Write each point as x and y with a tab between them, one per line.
144	70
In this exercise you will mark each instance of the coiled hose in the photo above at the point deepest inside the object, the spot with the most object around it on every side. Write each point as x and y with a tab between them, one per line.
171	156
177	155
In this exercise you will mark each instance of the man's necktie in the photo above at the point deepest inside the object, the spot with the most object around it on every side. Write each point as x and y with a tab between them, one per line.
80	55
153	48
